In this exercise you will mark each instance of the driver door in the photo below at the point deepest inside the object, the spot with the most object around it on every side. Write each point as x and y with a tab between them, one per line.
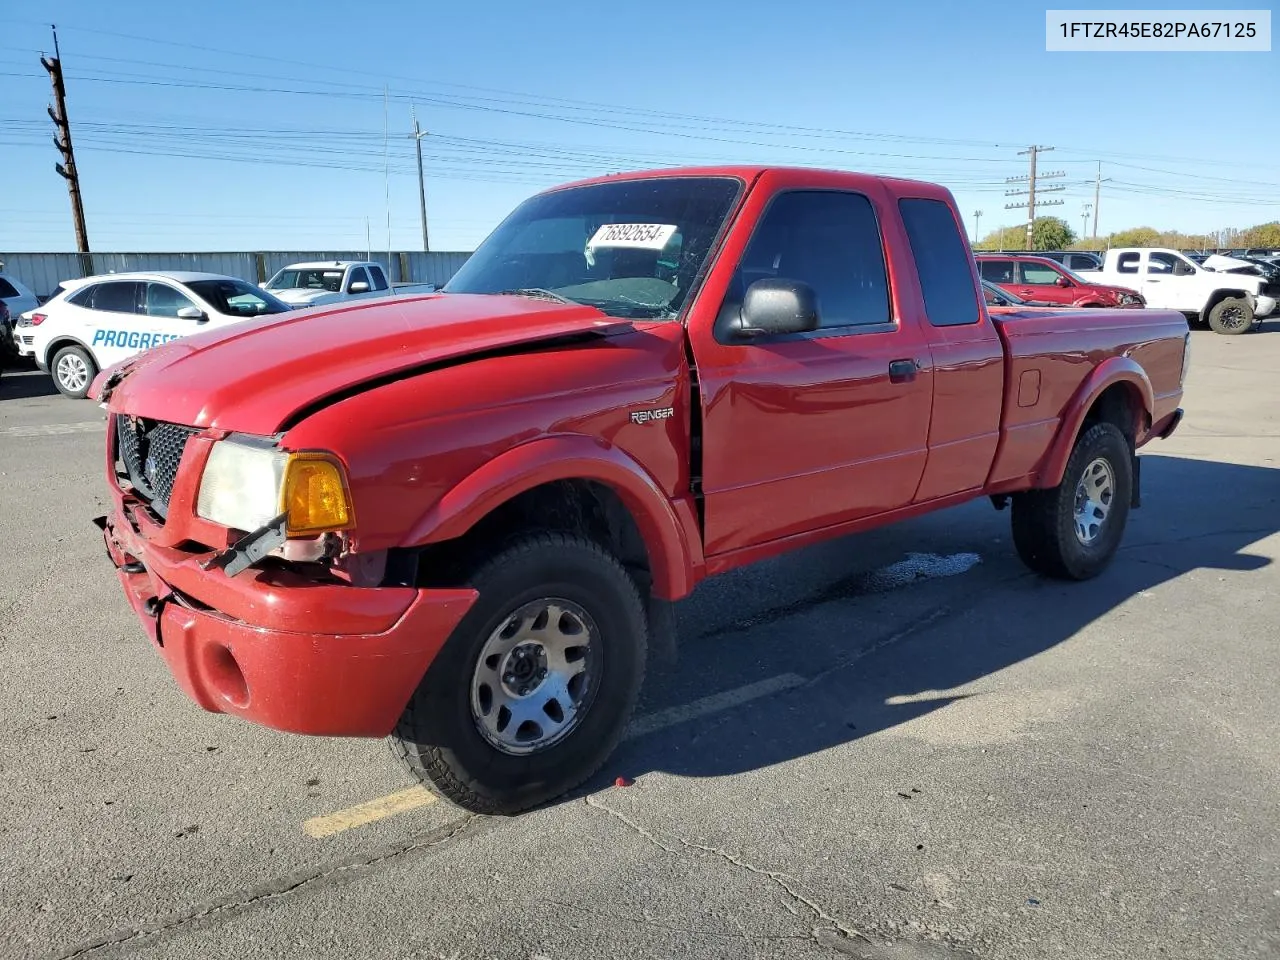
1160	279
809	430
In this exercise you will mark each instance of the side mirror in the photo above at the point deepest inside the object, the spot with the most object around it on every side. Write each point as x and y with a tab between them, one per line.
192	313
358	287
1062	282
775	305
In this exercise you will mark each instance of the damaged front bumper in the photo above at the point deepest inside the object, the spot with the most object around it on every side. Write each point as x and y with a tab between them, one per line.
274	646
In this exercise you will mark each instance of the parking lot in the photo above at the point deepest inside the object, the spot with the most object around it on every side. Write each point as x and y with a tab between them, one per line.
895	746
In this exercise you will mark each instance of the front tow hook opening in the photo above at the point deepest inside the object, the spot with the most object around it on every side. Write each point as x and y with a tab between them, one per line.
133	566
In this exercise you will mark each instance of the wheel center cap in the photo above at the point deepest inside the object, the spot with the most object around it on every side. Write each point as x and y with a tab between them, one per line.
525	669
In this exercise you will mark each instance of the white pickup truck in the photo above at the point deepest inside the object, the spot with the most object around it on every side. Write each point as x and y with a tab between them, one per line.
311	284
1229	302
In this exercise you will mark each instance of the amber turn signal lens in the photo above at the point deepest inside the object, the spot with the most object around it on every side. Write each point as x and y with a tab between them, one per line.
315	496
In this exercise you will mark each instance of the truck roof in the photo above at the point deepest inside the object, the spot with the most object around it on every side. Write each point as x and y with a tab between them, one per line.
329	264
749	173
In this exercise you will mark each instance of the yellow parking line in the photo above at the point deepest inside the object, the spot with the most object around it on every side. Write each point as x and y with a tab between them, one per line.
363	813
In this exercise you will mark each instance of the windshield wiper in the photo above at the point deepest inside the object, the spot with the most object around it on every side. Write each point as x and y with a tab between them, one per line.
537	293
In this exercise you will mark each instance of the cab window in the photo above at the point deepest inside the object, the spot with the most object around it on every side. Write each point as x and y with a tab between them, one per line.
164	301
1039	275
357	276
1161	263
997	271
378	278
943	262
120	296
830	241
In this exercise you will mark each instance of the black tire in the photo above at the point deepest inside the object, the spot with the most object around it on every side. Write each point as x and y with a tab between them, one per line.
1044	522
58	369
1231	317
438	737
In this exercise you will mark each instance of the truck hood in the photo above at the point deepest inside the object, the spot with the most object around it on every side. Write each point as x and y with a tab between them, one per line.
255	376
1111	287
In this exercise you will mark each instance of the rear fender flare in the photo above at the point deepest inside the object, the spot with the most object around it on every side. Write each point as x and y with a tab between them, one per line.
669	528
1108	373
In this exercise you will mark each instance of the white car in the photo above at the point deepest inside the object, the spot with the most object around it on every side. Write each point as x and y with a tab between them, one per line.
105	319
311	284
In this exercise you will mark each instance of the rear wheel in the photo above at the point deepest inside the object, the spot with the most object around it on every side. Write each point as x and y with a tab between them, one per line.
73	371
1231	317
1073	530
533	690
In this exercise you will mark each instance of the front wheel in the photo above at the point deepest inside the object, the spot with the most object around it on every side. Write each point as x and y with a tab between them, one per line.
1072	531
73	371
1231	317
534	688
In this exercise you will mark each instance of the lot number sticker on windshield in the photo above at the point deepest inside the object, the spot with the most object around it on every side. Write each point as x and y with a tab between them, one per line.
633	236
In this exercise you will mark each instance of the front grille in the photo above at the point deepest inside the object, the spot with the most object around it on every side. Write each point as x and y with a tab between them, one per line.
150	452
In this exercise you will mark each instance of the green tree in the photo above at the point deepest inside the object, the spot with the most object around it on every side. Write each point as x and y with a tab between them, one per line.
1136	237
1263	235
1051	233
1005	238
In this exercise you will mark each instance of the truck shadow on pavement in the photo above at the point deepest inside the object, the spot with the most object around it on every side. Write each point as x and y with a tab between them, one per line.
847	664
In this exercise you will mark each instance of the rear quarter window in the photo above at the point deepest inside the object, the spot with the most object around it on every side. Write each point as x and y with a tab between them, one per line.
7	289
942	261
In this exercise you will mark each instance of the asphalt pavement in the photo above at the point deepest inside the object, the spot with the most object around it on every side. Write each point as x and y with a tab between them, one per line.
899	746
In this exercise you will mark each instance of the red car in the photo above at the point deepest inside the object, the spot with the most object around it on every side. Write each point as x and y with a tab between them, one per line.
461	519
1045	280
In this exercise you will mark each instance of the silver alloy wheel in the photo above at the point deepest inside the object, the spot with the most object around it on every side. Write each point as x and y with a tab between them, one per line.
73	372
1094	495
534	676
1234	318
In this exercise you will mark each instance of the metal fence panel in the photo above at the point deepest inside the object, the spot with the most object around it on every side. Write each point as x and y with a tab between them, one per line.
42	272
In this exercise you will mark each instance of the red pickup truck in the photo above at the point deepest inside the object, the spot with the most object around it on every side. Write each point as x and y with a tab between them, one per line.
461	519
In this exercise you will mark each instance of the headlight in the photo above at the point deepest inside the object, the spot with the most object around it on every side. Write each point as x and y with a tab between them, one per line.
248	482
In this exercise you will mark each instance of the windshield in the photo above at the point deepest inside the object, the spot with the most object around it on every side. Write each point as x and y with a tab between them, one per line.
235	298
631	248
320	279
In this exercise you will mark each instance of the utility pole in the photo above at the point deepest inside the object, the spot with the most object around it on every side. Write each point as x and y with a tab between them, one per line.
1032	182
1097	199
422	186
977	222
1084	214
62	140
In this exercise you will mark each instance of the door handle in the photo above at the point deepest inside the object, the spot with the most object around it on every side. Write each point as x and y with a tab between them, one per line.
902	371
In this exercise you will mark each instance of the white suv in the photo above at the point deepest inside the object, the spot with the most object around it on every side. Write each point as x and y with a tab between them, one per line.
108	318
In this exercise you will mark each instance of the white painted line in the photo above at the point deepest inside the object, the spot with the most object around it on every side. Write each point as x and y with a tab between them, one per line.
653	722
362	813
55	429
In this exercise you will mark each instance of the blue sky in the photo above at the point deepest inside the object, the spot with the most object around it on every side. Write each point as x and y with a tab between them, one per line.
261	126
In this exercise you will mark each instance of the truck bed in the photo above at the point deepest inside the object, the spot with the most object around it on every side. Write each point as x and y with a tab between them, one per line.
1048	353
